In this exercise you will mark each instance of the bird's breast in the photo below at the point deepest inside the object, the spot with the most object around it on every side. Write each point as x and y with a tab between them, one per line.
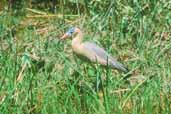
77	48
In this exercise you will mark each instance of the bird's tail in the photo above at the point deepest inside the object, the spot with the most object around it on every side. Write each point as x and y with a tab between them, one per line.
119	66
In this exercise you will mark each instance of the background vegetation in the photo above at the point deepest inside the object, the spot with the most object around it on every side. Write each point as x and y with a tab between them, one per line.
40	74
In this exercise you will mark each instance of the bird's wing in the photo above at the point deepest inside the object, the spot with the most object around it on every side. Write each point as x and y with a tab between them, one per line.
101	53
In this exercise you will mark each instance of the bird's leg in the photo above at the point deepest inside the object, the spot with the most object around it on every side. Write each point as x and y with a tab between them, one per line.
100	87
81	69
103	95
76	61
107	75
99	84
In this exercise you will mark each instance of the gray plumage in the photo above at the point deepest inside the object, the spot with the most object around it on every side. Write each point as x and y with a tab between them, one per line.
100	52
92	51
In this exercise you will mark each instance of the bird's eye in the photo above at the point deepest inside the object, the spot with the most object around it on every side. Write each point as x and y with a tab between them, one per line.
71	31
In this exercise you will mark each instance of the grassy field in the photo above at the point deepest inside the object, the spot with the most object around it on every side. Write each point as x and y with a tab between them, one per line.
40	74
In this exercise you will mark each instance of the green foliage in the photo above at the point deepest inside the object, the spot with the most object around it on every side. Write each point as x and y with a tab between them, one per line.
39	73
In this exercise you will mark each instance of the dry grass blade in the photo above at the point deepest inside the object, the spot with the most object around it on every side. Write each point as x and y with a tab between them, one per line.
36	11
2	98
44	16
133	91
120	90
20	76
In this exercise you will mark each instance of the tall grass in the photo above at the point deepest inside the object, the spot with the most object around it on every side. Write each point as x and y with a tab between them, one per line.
40	74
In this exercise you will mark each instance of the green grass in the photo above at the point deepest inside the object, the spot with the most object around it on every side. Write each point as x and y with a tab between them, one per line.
40	74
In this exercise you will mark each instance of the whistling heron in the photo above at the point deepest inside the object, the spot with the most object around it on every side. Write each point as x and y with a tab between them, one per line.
91	51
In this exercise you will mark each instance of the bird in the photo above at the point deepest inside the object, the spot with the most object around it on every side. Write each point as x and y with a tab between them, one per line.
92	51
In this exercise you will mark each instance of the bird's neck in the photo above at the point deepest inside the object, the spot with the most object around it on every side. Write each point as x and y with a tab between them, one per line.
78	39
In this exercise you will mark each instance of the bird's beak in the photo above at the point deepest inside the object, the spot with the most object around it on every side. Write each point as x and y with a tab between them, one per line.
65	36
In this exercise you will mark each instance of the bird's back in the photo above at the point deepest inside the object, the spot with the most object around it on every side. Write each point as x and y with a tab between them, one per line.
102	57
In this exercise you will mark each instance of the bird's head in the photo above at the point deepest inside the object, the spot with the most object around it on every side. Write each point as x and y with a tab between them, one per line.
70	32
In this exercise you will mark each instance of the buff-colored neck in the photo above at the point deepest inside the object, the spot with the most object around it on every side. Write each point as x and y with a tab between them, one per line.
79	37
